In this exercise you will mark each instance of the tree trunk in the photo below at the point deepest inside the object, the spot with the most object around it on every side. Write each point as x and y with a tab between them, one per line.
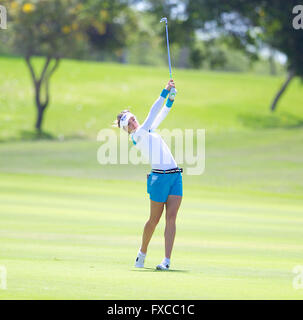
39	106
39	82
39	119
290	76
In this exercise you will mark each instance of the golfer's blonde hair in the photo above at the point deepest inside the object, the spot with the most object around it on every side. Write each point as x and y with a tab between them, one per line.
119	116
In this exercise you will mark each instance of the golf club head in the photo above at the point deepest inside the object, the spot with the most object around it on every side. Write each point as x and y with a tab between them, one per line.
164	19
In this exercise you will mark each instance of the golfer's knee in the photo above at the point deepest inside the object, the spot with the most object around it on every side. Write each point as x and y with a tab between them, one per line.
171	218
153	222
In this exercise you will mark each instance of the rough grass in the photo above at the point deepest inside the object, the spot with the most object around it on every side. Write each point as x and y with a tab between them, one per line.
86	97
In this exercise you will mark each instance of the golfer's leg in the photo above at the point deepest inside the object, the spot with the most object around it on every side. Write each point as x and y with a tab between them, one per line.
156	209
172	207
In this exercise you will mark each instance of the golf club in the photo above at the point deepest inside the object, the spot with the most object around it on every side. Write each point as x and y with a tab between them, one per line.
173	90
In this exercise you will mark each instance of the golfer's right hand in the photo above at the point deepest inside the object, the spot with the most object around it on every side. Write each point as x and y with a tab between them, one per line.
170	84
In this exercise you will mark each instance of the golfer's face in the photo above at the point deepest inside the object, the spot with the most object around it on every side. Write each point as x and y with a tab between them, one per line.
132	123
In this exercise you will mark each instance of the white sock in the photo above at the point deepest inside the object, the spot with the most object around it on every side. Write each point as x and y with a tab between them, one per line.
166	261
141	253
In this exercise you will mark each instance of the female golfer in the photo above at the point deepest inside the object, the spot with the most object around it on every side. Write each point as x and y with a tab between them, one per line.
164	183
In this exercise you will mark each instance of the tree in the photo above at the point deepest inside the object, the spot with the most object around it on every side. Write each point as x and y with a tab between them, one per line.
53	28
43	28
251	24
246	25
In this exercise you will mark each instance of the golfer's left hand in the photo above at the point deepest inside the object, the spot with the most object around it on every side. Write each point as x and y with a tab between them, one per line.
170	84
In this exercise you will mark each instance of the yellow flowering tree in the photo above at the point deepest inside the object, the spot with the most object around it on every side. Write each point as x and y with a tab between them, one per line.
53	28
46	28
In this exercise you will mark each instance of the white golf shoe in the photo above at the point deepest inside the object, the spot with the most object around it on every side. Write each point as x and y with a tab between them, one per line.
162	266
140	261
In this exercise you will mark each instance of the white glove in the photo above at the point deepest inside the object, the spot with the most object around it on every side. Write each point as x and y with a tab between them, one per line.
172	93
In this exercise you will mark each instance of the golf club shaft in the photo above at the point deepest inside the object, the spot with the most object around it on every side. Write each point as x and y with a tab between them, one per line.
168	51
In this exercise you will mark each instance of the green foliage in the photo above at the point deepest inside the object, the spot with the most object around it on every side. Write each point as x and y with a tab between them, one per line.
111	26
215	54
180	31
51	28
196	58
47	28
245	25
68	28
146	42
251	23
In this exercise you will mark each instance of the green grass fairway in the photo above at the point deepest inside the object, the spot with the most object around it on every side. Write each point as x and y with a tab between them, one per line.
69	238
71	228
64	235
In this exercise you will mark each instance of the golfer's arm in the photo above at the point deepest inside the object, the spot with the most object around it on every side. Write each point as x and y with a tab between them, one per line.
154	110
160	117
162	114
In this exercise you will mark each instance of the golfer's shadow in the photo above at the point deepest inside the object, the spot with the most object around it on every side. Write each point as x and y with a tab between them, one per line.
155	270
